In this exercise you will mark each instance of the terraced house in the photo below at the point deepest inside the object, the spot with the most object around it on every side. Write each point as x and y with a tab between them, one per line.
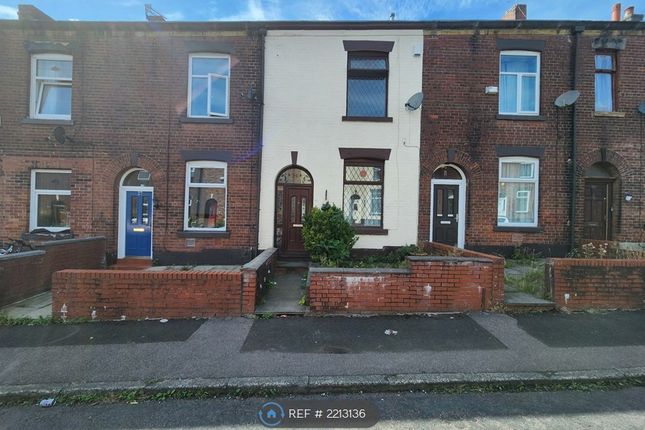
204	142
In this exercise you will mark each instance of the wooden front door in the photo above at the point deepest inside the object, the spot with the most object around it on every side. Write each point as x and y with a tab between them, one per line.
297	203
597	212
445	217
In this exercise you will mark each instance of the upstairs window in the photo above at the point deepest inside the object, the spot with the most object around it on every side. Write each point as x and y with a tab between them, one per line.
519	83
367	76
51	86
517	200
205	205
605	81
208	86
50	199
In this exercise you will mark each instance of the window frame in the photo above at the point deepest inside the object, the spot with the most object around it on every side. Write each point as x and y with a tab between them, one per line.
519	75
358	162
188	185
613	73
208	76
367	73
36	91
536	194
33	199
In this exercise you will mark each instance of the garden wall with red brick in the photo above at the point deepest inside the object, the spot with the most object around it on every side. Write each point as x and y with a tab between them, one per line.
596	283
449	280
114	294
29	273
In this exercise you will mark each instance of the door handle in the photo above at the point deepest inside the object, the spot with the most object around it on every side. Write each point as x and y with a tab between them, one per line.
297	225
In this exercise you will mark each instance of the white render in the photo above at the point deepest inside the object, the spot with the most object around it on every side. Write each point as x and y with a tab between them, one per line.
304	102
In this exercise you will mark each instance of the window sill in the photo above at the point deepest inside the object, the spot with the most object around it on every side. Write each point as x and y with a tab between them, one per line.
194	233
520	117
610	114
518	229
189	120
47	121
370	231
368	118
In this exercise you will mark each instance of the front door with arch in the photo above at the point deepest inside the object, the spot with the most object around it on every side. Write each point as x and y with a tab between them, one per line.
135	214
599	201
294	199
448	206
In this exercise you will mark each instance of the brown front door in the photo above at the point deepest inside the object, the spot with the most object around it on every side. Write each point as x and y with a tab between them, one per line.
597	209
445	214
297	203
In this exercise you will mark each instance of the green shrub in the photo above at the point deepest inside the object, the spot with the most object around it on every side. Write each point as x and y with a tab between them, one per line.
327	235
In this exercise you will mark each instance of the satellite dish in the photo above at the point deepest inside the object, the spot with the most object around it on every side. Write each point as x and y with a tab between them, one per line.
414	102
567	99
59	135
641	108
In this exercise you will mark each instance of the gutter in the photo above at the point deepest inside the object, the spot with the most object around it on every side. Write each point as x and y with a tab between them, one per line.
574	142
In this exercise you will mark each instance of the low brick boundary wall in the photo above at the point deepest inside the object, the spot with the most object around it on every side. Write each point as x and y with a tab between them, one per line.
465	281
596	283
26	274
113	294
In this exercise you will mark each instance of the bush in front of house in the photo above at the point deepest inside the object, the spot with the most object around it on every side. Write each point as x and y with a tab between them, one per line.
327	235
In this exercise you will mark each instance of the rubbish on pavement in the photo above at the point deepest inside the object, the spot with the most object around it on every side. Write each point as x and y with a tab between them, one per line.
47	403
390	332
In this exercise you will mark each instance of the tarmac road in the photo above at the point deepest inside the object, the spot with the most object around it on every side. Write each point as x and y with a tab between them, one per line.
622	409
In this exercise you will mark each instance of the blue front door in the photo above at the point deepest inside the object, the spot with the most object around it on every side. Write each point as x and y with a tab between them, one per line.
138	223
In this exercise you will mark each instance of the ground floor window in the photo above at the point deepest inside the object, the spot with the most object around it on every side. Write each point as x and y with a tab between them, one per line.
50	199
363	192
517	200
205	204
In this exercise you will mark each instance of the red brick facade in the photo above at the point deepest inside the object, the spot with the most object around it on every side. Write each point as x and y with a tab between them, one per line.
460	125
129	96
596	284
458	281
25	274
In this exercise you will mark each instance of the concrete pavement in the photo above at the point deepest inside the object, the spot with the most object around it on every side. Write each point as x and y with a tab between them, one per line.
212	353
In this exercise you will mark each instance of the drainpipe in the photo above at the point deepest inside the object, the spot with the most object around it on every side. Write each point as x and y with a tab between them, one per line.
262	34
574	148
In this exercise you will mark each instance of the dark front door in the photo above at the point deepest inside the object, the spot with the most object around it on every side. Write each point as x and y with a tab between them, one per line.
297	203
445	214
597	209
138	220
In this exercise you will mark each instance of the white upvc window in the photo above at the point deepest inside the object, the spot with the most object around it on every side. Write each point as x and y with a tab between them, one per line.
50	199
51	86
519	83
205	201
208	85
517	200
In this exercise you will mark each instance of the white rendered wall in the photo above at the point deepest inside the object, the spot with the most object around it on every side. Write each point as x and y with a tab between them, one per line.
304	102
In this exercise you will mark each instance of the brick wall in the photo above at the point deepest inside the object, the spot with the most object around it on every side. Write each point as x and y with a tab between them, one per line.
129	96
596	284
431	284
163	294
25	274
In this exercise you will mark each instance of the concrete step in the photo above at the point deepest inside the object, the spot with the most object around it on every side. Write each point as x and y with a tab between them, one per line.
131	264
516	301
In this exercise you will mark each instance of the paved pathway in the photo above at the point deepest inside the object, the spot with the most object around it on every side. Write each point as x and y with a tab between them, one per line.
33	307
229	348
284	298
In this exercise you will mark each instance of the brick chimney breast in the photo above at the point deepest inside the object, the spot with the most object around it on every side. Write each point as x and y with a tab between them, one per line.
515	13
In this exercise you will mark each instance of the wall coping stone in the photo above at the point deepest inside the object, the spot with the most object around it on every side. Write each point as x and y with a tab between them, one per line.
258	261
373	270
50	243
18	255
449	259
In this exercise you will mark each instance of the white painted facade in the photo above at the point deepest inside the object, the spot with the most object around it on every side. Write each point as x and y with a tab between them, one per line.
304	102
